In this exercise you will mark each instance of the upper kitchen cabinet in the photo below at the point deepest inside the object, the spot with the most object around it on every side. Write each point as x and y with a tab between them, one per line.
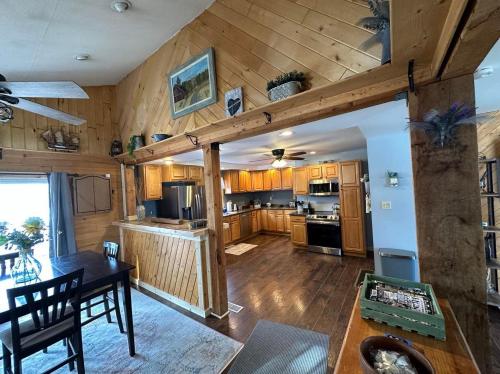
350	172
91	194
324	171
257	180
151	179
268	180
231	181
172	173
245	182
276	179
195	173
300	181
286	179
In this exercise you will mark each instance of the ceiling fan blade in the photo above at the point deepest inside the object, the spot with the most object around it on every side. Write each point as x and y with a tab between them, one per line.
262	160
293	158
63	90
296	153
45	111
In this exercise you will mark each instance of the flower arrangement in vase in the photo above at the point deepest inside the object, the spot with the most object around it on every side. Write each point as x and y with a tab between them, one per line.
26	267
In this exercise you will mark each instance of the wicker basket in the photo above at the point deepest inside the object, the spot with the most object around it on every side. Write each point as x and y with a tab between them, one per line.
284	90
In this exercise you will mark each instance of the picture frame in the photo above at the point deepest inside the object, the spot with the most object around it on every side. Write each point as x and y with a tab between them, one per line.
192	85
233	100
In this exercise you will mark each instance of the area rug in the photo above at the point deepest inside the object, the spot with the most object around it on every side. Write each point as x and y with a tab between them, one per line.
166	341
278	348
239	249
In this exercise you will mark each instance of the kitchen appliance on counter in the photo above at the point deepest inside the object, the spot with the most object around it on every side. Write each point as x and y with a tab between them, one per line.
182	201
324	187
323	233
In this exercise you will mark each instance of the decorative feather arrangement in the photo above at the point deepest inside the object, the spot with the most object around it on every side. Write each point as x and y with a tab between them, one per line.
380	23
442	127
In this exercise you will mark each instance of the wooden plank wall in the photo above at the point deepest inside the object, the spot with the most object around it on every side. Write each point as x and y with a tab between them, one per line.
92	229
254	41
164	262
95	136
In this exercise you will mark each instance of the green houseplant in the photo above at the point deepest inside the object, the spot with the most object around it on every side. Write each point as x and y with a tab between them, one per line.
26	267
285	85
135	142
380	24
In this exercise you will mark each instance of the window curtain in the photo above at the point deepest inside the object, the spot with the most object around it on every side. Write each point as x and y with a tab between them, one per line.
61	226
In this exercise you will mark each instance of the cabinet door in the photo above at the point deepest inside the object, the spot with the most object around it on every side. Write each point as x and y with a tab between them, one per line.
152	182
271	221
287	221
280	223
353	236
257	180
235	181
330	171
242	181
300	181
315	172
178	172
350	173
254	223
286	179
265	220
276	179
226	177
195	173
259	220
102	194
299	233
227	230
267	180
83	190
248	182
235	228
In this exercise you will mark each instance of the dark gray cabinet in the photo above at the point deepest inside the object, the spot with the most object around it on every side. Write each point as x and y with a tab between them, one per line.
91	194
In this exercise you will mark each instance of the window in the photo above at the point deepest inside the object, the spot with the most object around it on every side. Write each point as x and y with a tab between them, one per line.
23	196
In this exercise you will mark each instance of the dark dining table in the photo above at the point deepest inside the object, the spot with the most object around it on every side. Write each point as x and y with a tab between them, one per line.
99	271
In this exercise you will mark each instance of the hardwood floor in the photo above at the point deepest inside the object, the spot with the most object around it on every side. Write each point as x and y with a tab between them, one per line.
278	282
494	315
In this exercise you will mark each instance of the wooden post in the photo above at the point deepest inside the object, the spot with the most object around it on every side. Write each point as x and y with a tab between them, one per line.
448	214
217	259
130	193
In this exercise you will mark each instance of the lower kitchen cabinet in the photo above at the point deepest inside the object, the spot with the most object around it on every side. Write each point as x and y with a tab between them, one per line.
264	218
255	225
280	221
235	227
271	220
287	220
227	230
298	230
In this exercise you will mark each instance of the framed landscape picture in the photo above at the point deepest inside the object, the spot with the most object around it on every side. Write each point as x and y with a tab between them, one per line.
192	85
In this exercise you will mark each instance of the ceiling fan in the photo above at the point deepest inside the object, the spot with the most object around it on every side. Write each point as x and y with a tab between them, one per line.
13	94
278	157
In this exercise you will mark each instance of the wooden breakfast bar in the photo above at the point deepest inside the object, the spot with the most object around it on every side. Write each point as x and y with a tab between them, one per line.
170	261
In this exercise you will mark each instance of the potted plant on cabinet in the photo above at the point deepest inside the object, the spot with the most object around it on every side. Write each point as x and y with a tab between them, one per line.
285	85
135	142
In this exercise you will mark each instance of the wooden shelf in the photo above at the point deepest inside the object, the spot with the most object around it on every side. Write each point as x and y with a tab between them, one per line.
492	194
494	299
493	263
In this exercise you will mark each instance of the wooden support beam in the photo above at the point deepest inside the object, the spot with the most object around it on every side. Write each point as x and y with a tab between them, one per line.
130	192
448	214
478	36
364	89
213	188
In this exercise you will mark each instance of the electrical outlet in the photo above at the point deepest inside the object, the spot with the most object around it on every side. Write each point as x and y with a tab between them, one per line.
386	205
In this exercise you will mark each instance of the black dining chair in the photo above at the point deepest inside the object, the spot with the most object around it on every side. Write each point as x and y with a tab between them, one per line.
111	251
42	314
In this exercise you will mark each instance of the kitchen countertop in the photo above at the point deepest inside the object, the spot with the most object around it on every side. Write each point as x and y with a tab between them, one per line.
146	225
261	208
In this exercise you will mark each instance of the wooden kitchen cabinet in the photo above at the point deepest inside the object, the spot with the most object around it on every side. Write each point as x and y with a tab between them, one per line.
231	181
350	173
245	182
264	220
257	180
298	230
287	220
195	173
271	220
151	179
315	172
255	226
276	179
267	180
286	179
172	173
227	230
280	221
330	171
300	181
235	227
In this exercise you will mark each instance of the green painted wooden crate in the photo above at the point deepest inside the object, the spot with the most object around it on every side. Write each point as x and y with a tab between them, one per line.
409	320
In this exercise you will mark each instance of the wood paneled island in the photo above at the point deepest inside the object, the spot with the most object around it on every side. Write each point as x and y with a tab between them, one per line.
171	261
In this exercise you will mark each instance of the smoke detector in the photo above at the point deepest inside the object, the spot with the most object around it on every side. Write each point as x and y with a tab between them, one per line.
82	57
121	6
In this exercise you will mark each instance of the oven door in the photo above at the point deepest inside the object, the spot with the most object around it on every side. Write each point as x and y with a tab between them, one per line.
324	235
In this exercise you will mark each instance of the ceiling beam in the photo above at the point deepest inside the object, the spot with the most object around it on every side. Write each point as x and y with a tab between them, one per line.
372	87
480	33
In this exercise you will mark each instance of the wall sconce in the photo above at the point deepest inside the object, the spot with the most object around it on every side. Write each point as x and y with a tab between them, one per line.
392	179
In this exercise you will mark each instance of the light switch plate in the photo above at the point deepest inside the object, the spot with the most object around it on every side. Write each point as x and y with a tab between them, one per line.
386	205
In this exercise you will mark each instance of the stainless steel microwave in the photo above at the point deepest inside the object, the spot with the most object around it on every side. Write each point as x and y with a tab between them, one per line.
323	187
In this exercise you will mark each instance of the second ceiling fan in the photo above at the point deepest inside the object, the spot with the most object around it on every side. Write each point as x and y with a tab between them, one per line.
14	94
278	157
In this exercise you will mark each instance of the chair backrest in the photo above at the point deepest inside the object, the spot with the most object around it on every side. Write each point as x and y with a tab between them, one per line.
46	303
111	249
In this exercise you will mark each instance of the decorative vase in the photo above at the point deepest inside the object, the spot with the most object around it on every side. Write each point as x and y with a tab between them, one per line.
26	267
284	90
140	211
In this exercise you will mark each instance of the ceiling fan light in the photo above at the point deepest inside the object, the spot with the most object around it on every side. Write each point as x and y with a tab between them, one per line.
120	6
278	164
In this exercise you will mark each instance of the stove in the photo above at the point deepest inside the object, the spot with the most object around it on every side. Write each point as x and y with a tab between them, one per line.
323	234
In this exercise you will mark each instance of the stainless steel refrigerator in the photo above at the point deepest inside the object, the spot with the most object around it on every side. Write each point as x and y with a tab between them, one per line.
182	201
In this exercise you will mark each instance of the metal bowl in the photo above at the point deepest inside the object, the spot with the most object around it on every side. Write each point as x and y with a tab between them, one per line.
160	137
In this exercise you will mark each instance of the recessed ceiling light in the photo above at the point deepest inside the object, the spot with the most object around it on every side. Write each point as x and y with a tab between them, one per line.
312	152
82	57
286	133
169	162
120	6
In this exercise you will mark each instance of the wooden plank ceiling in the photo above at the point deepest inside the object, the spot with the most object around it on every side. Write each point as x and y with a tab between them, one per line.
254	41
